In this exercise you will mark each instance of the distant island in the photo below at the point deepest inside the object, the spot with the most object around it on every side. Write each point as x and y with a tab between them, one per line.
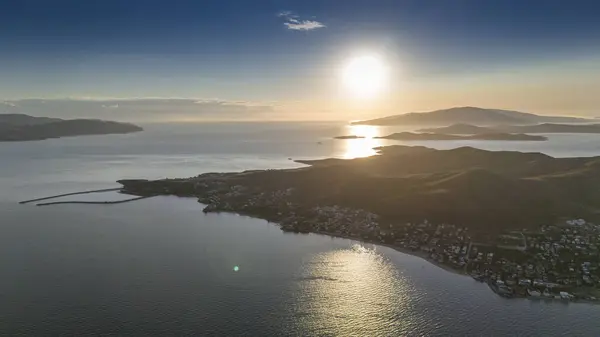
469	115
349	137
468	129
514	220
20	127
411	136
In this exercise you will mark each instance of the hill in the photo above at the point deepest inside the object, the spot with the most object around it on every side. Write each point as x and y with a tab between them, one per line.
16	127
22	120
488	191
467	129
468	115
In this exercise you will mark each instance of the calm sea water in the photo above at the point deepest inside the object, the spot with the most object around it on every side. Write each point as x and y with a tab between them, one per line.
161	267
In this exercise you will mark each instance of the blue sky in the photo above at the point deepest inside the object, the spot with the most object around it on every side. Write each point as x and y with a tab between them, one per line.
248	51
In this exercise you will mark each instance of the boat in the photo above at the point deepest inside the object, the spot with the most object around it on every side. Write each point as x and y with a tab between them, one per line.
501	289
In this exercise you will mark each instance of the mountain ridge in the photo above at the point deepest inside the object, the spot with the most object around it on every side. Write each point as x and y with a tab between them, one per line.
468	115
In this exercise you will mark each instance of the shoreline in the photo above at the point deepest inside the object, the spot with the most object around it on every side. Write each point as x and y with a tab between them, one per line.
402	250
418	254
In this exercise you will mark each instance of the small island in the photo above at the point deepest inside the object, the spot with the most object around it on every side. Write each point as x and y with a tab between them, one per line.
19	127
349	137
514	220
411	136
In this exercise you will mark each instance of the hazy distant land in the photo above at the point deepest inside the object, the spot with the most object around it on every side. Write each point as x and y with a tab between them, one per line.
349	137
469	115
19	127
468	129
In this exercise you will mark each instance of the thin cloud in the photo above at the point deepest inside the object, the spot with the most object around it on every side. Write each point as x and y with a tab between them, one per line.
304	25
293	22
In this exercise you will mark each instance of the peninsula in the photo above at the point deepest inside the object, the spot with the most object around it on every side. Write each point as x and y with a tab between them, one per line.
19	127
411	136
511	219
468	129
488	191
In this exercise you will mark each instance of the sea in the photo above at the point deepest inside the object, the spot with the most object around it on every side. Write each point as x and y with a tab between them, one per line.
160	266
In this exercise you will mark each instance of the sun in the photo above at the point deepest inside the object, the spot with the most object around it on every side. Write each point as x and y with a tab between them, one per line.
365	76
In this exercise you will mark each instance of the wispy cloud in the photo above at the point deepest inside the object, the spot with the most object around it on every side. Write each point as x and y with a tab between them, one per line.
294	22
285	14
304	25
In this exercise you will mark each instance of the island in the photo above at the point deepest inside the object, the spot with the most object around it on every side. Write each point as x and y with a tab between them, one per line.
349	137
469	115
525	223
411	136
468	129
19	127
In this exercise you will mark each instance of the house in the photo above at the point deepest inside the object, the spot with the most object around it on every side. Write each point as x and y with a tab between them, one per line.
524	282
565	295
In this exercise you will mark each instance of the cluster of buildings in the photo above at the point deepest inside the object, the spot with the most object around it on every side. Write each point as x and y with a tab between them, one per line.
280	206
443	243
238	198
336	220
559	261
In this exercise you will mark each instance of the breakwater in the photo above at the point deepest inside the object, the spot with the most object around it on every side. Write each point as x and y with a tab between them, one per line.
69	194
93	202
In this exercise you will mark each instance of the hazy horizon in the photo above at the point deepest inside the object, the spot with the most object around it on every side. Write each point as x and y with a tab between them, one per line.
164	110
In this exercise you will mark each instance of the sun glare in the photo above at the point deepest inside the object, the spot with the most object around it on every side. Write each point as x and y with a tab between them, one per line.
361	147
364	76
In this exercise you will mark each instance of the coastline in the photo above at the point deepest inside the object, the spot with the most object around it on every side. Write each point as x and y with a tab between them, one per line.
403	250
420	254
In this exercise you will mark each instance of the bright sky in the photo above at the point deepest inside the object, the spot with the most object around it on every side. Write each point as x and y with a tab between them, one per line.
245	60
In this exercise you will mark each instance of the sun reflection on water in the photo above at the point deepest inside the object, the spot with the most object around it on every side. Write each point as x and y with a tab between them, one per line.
354	291
362	147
